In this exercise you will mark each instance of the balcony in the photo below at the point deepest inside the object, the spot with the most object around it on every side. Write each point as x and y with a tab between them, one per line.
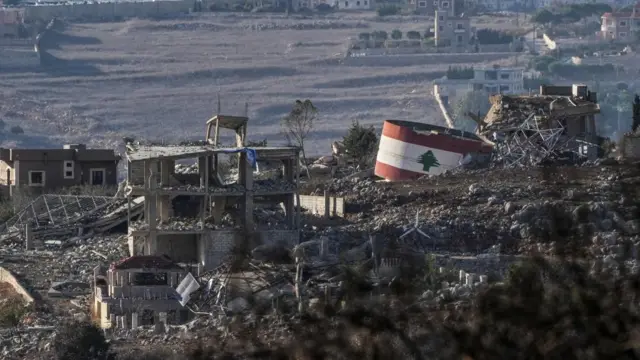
459	31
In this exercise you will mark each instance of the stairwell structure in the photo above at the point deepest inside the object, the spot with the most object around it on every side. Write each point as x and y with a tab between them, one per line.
198	220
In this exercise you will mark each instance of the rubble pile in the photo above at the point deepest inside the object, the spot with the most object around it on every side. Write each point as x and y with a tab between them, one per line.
270	185
532	130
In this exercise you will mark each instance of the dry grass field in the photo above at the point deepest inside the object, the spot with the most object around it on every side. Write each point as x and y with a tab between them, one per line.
160	79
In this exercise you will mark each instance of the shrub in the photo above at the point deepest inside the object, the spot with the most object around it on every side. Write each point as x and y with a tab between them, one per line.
81	341
493	37
380	35
396	34
541	63
16	130
360	142
12	309
459	73
387	10
364	36
579	71
413	35
535	83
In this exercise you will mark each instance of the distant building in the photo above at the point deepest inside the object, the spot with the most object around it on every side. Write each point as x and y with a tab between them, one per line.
10	21
620	26
44	170
354	4
450	28
498	80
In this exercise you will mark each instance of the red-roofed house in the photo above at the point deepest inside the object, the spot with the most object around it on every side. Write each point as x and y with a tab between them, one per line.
620	26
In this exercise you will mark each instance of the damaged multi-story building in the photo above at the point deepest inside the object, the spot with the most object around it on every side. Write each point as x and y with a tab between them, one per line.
559	121
198	218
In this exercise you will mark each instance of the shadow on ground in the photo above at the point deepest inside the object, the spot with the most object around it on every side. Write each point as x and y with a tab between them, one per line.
55	40
60	67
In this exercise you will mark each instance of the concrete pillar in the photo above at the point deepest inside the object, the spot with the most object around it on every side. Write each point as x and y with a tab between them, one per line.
134	320
327	205
324	247
248	183
202	160
441	270
28	237
483	279
462	276
469	279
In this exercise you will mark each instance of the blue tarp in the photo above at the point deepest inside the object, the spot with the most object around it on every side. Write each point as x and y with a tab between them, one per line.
251	154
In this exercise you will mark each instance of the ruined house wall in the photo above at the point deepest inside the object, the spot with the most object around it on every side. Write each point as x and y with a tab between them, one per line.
215	246
316	204
630	147
136	170
3	173
179	247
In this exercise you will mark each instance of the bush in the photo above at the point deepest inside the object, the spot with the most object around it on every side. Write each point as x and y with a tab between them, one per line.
541	63
12	309
364	36
535	83
493	37
413	35
396	34
579	71
459	73
360	142
387	10
81	341
16	130
380	35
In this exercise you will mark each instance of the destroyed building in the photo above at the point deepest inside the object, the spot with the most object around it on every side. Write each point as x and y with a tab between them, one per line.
198	218
138	291
530	129
43	170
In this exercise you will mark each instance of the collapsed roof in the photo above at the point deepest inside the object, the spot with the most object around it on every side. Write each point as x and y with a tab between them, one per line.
509	112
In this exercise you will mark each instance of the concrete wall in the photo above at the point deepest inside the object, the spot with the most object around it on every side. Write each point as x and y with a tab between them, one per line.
6	276
108	11
423	59
214	246
630	147
55	170
316	204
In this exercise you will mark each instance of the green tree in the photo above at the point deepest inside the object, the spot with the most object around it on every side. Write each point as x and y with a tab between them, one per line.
380	35
387	10
365	36
81	341
297	125
413	35
396	34
543	17
360	142
428	160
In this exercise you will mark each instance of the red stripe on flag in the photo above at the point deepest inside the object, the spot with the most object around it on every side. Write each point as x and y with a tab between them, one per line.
435	141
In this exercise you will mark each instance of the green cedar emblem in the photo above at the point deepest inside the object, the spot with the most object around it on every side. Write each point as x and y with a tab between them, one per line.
428	160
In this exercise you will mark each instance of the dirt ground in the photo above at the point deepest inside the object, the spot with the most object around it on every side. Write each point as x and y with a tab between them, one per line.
161	79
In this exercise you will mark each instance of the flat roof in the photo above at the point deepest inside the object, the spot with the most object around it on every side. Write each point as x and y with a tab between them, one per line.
186	152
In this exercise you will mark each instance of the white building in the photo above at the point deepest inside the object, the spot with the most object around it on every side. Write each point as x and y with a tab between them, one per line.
498	80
